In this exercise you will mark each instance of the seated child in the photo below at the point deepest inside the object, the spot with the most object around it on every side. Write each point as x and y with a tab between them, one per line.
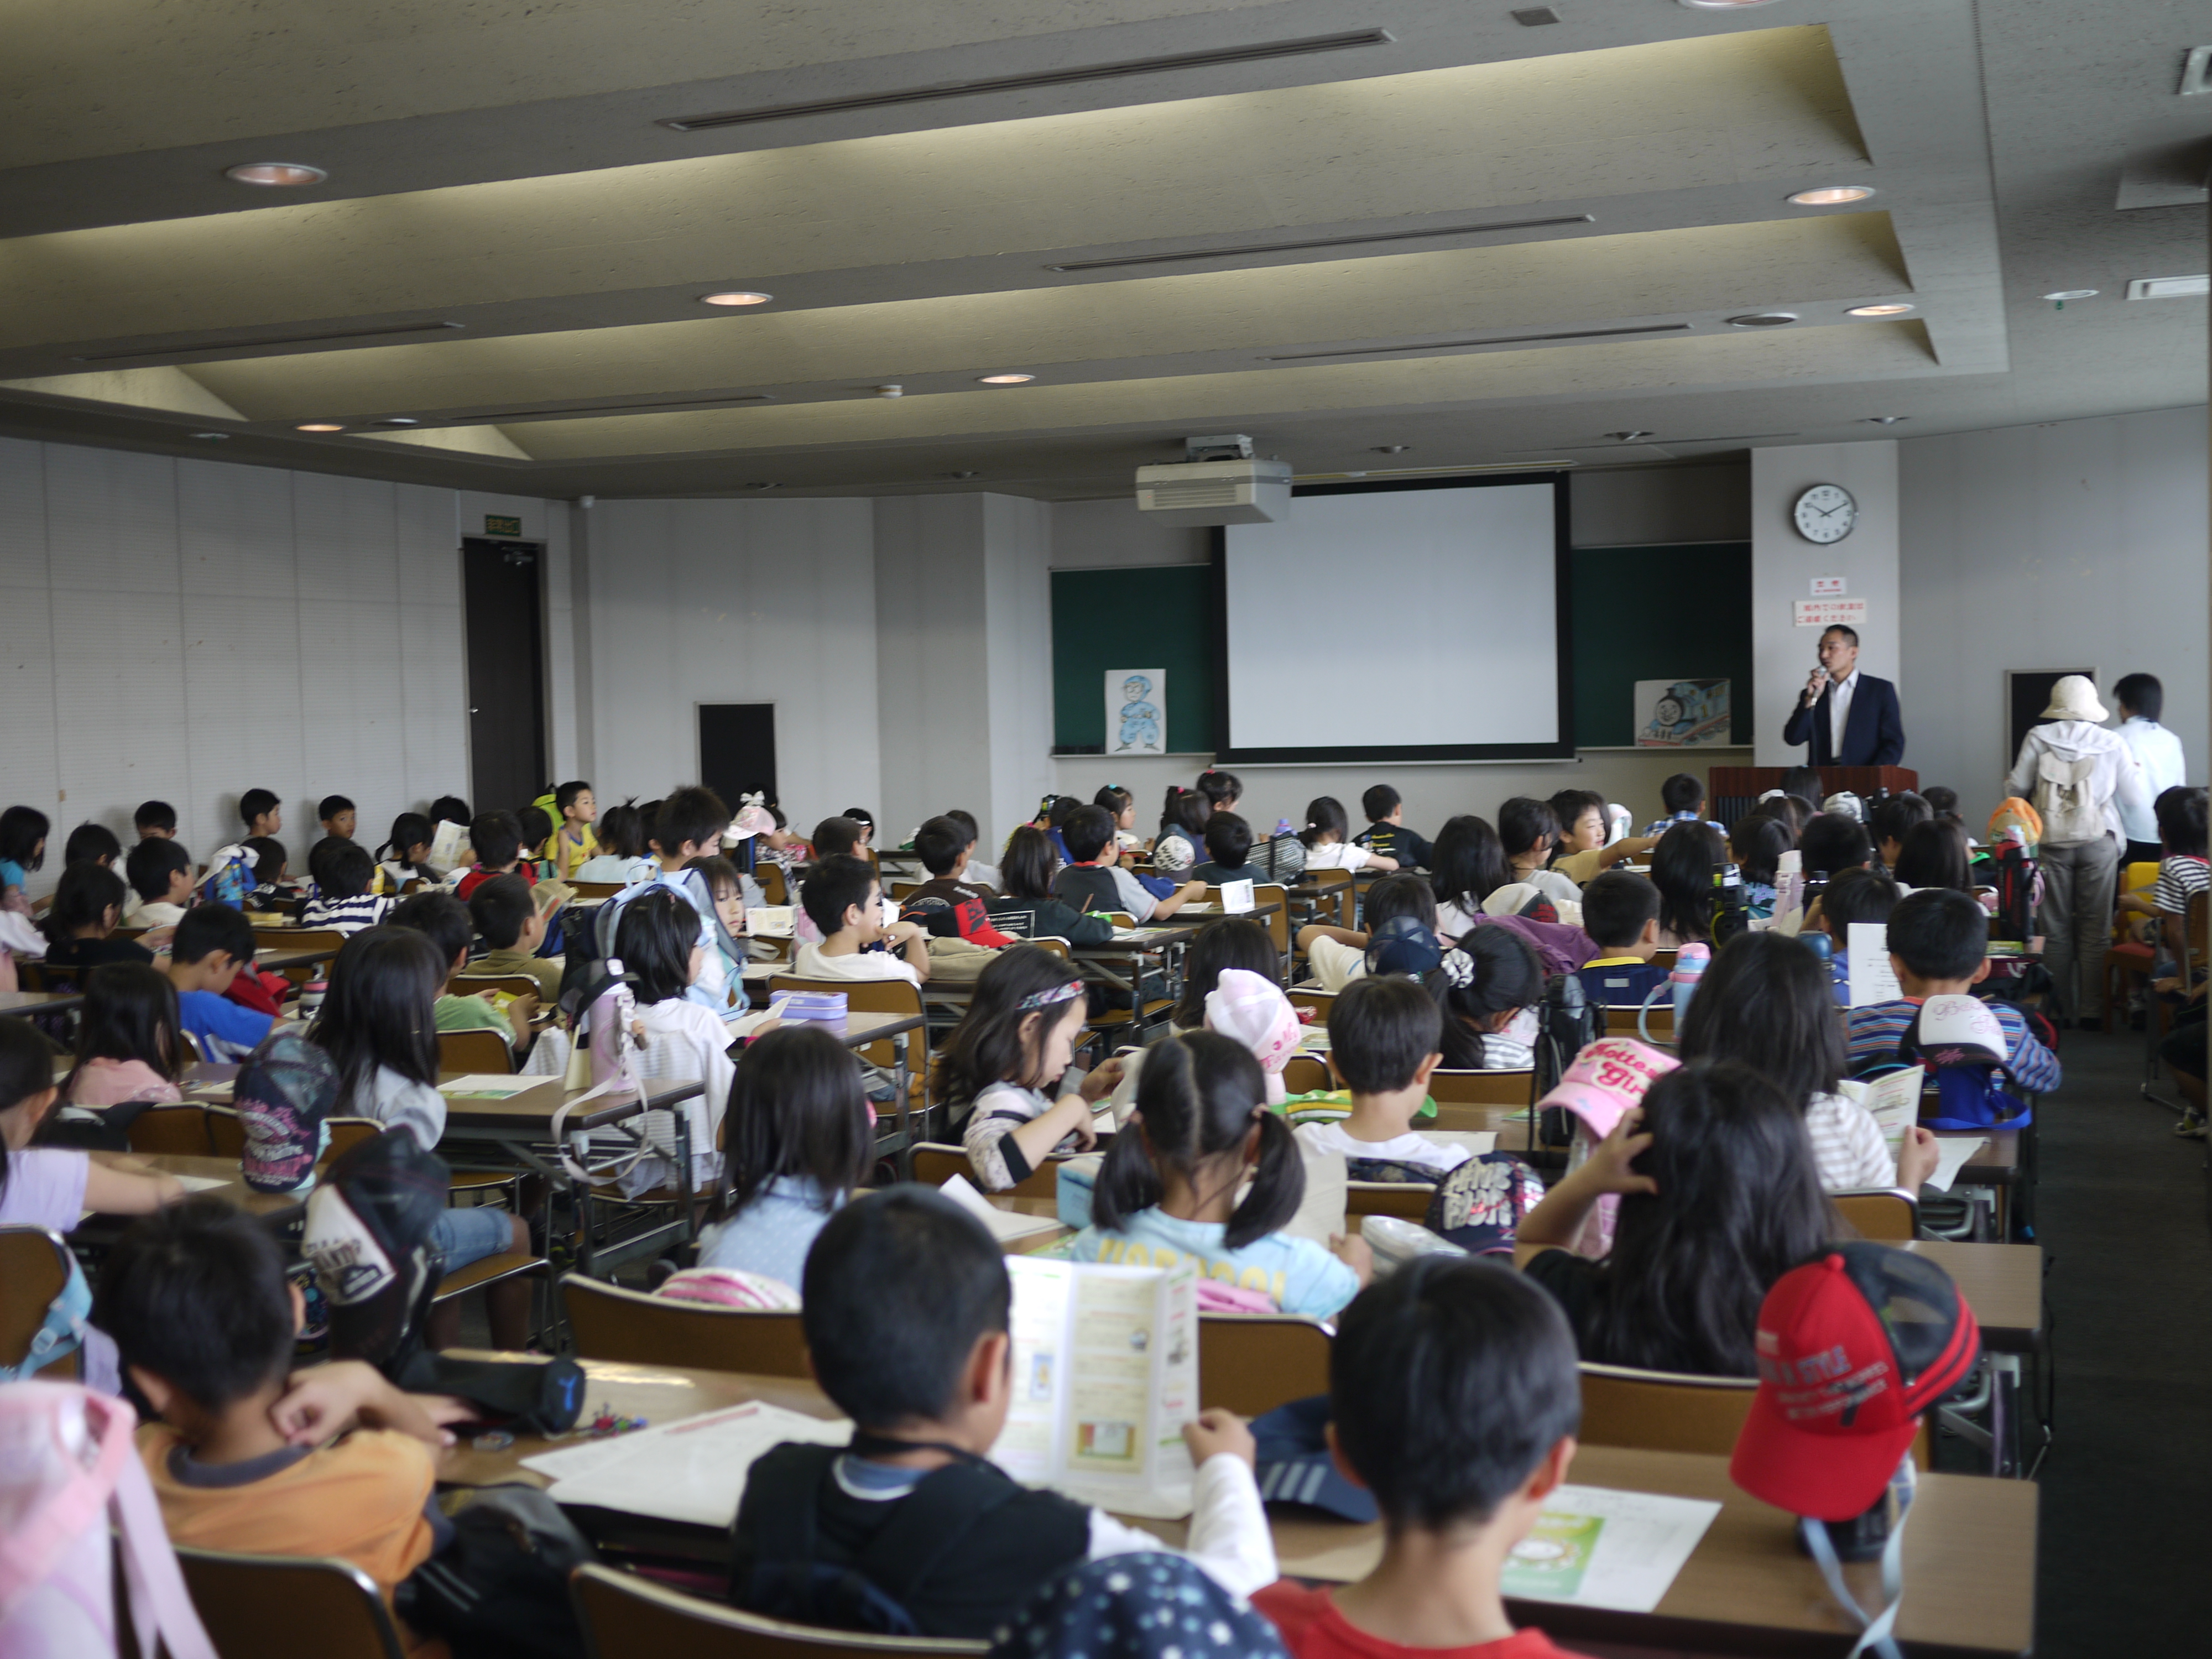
801	1137
197	1302
1942	801
536	824
1757	844
270	873
22	849
497	839
507	912
337	816
92	843
1228	848
1328	843
1386	832
622	855
1385	1037
344	873
405	856
1620	912
1183	831
907	1303
658	945
1094	879
1684	797
1121	806
945	845
155	819
87	905
160	872
1337	956
2182	871
444	920
1939	946
843	899
129	1049
1487	987
1027	907
721	969
575	842
1857	894
1017	1040
1454	1399
213	945
836	838
979	873
1168	1189
1895	819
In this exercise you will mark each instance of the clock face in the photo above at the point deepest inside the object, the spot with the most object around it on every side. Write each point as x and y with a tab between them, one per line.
1825	513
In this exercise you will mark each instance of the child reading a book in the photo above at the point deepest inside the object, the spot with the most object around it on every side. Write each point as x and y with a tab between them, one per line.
1016	1040
1939	945
1168	1190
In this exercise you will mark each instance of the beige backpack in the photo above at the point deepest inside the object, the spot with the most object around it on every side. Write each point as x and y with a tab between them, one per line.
2071	813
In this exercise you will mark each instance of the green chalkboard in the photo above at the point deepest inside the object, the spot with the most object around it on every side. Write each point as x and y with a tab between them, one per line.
1658	613
1141	616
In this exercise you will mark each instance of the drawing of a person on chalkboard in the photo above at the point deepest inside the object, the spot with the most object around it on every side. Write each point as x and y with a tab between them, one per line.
1139	719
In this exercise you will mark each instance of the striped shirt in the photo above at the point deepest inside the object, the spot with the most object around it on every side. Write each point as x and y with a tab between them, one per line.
2178	877
1848	1146
1877	1030
345	915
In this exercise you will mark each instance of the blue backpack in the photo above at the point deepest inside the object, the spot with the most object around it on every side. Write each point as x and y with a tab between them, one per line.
1967	1067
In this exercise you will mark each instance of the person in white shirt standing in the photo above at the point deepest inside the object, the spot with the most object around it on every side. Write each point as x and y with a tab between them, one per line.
2157	750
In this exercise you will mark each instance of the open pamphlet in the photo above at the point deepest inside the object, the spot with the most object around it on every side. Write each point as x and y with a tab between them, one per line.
691	1470
1598	1548
1873	979
1951	1152
1005	1224
769	920
1105	1376
1894	1100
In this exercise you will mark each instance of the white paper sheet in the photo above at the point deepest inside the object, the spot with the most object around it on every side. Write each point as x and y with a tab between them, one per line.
1004	1224
1236	897
1873	979
486	1085
1951	1152
692	1469
769	921
1320	1211
1598	1547
202	1183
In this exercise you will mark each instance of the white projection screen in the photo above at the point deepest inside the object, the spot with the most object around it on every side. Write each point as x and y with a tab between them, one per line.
1398	622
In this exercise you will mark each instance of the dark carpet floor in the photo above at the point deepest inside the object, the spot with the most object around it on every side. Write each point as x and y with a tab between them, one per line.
2125	1560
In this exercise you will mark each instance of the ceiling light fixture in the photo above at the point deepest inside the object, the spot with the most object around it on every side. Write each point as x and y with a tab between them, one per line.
964	475
735	297
1461	345
1764	320
232	347
2059	296
1006	379
1893	308
1311	244
396	420
2169	288
1831	195
319	426
1258	52
275	173
1628	437
1887	420
1392	449
1722	5
211	437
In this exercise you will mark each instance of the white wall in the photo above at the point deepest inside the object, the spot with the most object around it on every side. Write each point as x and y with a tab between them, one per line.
734	601
188	629
1783	564
933	687
2075	543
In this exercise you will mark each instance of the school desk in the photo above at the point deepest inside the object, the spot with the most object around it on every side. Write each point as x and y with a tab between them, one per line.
25	1003
276	958
274	1208
1969	1548
2004	1285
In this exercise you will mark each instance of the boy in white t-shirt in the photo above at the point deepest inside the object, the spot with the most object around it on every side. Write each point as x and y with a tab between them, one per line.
1385	1038
842	897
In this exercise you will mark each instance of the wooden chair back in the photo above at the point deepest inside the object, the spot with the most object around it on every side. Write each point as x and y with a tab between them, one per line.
34	1265
346	1132
474	1051
1253	1362
1306	1074
935	1162
625	1616
226	1133
868	996
1340	894
515	985
268	1606
1885	1213
1622	1022
774	887
1480	1088
181	1129
612	1322
190	1046
596	890
899	891
1307	997
1670	1411
1407	1200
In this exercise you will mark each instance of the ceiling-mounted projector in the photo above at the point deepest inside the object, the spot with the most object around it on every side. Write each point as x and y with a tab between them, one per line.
1216	492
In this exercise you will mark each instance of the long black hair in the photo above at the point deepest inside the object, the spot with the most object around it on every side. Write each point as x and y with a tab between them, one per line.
655	942
1934	855
797	1107
1199	1095
22	833
130	1013
1469	863
1738	1205
1757	843
1325	817
1225	942
408	831
1185	812
1221	789
1026	867
380	1010
1769	1002
1524	821
621	831
1500	971
1682	868
87	893
991	1044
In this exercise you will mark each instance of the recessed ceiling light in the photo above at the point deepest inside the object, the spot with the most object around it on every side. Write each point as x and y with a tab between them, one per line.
760	486
211	437
1392	449
396	420
275	173
1006	379
1832	195
1764	319
964	475
1887	420
735	297
1893	309
319	426
1628	437
2062	294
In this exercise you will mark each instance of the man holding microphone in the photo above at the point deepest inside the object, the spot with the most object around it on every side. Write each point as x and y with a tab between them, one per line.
1851	719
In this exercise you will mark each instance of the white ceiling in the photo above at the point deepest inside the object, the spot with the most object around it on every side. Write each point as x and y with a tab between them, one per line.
513	249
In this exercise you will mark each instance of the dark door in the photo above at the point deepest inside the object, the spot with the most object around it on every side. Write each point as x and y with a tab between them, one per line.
736	749
502	589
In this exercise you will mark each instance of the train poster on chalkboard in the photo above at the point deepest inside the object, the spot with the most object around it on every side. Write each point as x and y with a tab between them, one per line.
1681	713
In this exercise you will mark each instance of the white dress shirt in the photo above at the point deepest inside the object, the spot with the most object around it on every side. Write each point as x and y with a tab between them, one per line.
1839	711
2160	752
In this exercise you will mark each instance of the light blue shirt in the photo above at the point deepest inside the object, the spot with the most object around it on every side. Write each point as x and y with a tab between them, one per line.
2160	752
1301	1276
773	1234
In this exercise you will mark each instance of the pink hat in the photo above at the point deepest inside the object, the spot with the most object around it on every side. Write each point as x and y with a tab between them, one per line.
1608	1079
1251	1009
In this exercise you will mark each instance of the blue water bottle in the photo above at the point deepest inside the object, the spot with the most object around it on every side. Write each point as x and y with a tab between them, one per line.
1690	965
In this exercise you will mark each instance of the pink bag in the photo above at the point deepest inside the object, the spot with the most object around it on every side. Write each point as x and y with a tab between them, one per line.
67	1468
1215	1297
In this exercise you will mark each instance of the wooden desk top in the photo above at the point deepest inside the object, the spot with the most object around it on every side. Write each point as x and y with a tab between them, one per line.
530	1112
1041	1207
269	1206
2002	1282
276	957
38	1002
1969	1551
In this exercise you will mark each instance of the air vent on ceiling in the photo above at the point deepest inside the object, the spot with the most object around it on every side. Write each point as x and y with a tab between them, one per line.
221	348
1257	51
1457	345
1252	249
604	409
2169	288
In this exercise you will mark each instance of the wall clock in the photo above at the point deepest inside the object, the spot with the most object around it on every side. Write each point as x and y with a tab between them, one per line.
1825	513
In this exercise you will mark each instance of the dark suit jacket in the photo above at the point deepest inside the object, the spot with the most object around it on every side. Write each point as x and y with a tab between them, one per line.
1874	736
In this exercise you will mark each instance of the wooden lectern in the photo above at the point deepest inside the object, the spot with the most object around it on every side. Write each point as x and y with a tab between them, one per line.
1732	791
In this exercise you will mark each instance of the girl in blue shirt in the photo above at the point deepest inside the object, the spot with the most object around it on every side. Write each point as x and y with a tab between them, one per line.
1167	1192
22	849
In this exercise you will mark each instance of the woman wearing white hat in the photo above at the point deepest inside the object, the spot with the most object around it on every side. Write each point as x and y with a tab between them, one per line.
2079	776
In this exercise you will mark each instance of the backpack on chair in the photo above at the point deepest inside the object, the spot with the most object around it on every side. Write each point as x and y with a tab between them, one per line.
1962	1043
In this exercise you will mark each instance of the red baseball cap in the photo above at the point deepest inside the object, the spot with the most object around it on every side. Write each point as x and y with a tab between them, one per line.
1852	1348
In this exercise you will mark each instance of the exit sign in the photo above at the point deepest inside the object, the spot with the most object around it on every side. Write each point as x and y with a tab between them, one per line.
498	527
